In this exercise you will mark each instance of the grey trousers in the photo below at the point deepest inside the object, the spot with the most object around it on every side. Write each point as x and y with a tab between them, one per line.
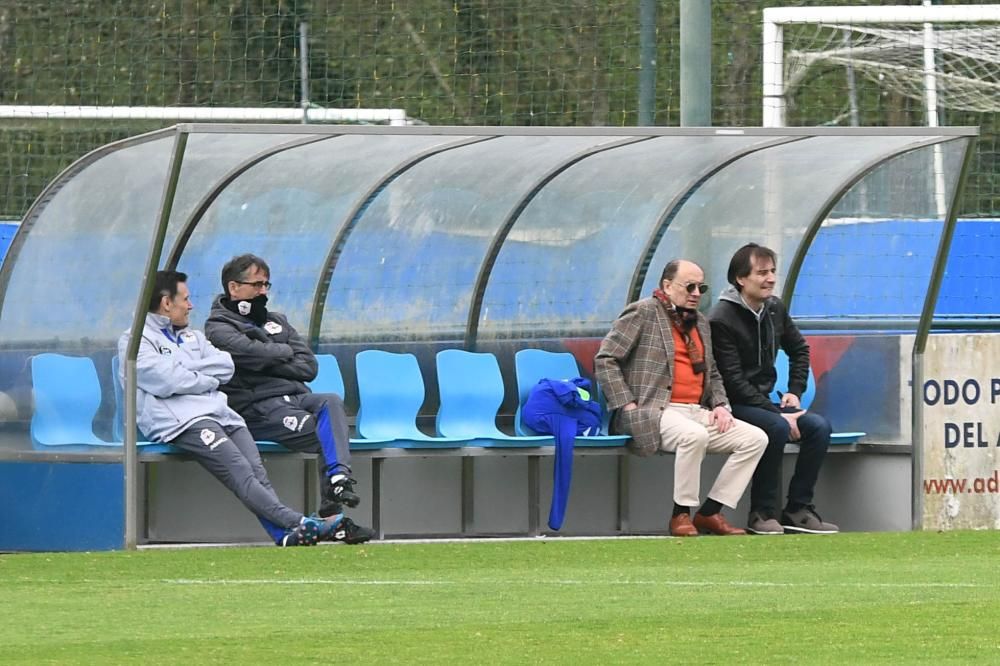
298	422
230	455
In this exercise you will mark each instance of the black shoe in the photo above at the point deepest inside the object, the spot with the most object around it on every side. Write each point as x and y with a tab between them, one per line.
340	489
349	532
328	508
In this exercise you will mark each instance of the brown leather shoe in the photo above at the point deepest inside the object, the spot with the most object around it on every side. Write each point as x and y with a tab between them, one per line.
681	526
715	524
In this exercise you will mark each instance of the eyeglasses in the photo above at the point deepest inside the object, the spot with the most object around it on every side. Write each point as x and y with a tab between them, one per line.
259	284
700	286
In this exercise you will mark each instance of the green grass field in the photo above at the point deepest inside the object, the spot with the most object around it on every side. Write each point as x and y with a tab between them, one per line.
851	598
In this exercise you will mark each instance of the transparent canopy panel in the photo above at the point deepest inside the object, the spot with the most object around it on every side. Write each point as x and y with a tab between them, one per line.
874	253
570	257
97	229
207	159
399	224
288	209
769	197
409	267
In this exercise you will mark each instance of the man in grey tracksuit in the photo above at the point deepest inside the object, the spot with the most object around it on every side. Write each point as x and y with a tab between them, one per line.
268	388
178	373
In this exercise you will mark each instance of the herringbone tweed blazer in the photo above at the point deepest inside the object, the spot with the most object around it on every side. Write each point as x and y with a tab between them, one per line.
636	363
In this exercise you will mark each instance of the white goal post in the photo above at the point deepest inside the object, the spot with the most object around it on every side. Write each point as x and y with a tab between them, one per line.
877	23
940	55
395	117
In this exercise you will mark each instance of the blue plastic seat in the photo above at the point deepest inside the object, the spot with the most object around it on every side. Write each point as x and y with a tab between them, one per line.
391	392
532	365
781	386
118	425
118	422
471	391
67	395
329	379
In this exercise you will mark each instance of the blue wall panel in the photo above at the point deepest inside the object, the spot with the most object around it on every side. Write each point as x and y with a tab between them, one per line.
61	506
882	268
7	230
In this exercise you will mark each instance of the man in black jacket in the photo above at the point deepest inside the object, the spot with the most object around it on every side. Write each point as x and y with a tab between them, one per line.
749	324
268	389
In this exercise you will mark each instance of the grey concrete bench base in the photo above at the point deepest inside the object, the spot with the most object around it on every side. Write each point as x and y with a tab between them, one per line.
618	493
468	454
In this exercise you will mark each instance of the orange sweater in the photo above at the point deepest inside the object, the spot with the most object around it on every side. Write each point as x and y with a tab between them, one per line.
688	386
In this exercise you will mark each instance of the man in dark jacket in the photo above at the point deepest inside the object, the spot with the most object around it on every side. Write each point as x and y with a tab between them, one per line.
749	324
268	389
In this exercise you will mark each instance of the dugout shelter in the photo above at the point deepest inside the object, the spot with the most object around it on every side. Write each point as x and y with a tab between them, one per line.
479	238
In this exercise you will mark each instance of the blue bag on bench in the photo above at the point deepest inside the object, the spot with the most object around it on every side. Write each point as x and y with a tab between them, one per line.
562	408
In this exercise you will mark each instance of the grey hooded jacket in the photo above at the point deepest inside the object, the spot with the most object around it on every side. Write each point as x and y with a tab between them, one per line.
178	373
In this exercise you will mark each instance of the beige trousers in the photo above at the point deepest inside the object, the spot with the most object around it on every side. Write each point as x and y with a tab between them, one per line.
685	431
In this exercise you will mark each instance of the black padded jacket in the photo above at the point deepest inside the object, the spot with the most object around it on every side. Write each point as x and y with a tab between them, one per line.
271	360
745	348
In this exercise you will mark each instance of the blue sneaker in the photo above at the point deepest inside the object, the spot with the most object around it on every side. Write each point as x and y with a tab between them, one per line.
306	533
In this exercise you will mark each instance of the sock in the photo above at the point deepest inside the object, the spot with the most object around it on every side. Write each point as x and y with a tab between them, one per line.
678	510
338	470
324	433
274	531
792	507
710	507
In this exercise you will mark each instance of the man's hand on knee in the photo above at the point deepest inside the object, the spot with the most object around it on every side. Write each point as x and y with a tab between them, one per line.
793	425
721	418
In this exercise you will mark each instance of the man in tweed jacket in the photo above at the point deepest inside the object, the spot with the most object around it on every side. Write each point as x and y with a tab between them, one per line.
659	376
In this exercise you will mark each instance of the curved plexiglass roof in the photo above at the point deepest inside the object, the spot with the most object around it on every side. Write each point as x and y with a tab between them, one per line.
467	234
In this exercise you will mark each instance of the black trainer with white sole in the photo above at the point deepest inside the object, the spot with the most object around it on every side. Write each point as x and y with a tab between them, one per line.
351	533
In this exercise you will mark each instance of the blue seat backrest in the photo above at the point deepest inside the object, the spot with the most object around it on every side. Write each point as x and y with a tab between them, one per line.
118	425
329	379
531	365
471	392
67	395
390	392
781	366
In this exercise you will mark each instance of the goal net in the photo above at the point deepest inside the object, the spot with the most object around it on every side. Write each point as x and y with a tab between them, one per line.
965	68
941	56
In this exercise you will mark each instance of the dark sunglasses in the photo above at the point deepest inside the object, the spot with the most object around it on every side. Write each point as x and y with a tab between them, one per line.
700	286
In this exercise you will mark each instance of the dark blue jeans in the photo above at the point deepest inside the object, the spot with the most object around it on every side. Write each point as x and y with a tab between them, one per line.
765	490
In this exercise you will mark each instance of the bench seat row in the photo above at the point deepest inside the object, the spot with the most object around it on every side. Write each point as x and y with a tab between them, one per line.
67	396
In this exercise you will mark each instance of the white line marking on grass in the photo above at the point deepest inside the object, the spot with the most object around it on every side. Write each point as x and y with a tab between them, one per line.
310	581
417	541
567	583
